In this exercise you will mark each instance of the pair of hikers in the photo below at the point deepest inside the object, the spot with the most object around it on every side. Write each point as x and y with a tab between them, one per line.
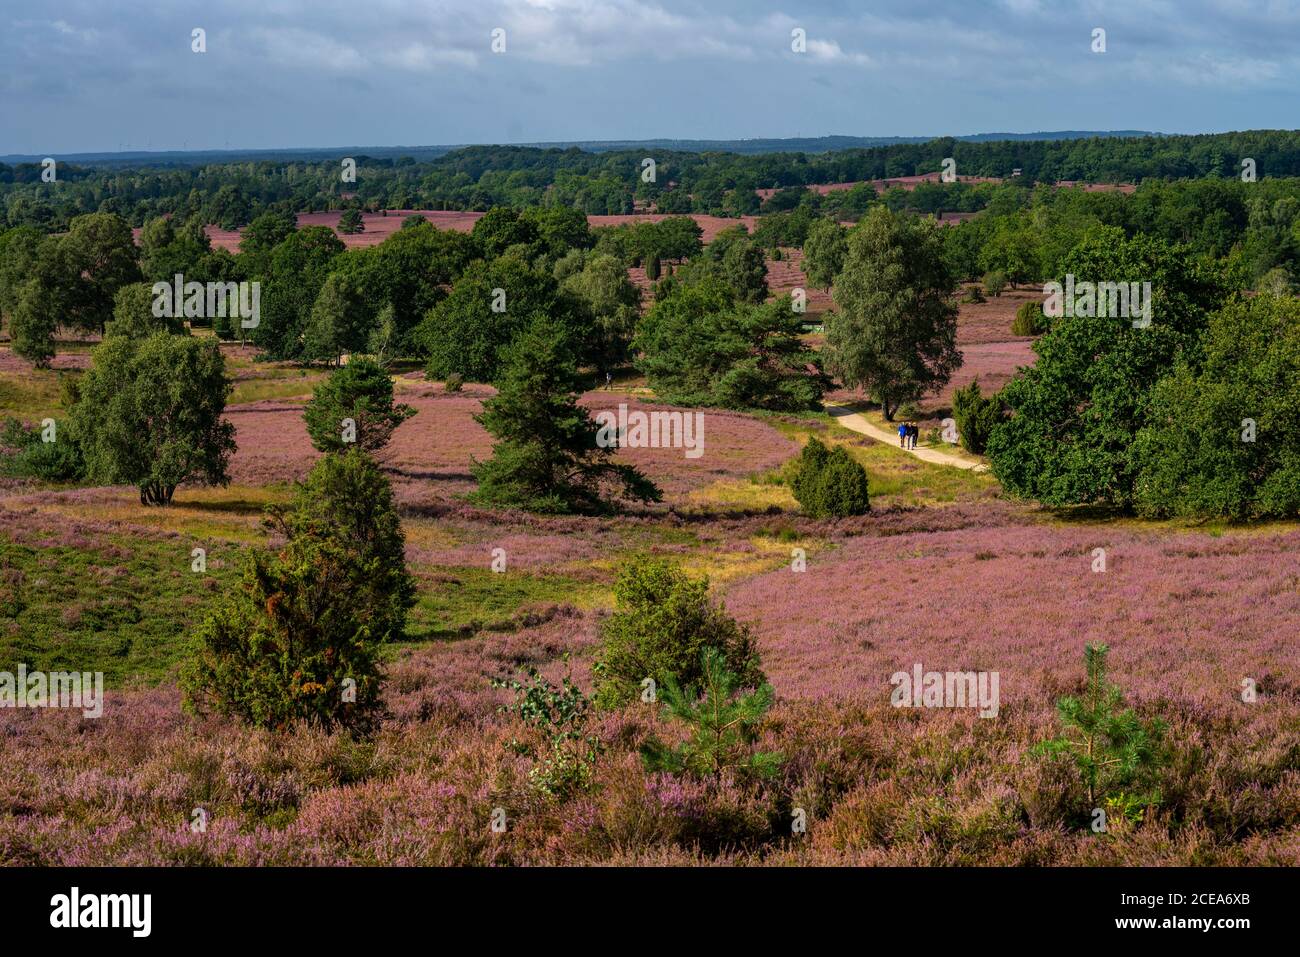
907	434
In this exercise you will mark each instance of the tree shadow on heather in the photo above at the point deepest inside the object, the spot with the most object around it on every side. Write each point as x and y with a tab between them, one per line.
430	476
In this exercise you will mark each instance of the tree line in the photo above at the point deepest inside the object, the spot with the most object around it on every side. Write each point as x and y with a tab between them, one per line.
717	183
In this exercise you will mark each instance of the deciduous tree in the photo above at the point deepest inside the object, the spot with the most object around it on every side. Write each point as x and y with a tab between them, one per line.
894	333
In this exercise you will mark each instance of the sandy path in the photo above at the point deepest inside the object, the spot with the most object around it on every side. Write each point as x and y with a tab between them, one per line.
846	417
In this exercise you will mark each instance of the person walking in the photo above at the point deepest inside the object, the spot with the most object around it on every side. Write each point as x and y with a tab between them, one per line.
902	435
609	380
912	430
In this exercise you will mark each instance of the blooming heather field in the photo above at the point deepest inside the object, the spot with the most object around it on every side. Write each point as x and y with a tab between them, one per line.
910	183
431	455
380	226
944	573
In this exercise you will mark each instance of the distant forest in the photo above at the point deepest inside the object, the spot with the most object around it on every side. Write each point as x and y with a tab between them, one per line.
718	183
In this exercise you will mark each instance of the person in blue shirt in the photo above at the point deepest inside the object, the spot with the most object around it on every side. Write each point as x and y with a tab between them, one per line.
902	435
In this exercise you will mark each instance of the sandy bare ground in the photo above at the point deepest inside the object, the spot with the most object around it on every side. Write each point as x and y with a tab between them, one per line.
847	417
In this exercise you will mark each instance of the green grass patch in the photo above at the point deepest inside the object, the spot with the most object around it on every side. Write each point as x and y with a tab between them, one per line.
202	513
121	606
280	387
898	477
31	396
458	602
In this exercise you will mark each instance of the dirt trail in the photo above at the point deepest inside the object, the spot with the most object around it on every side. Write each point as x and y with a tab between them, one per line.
857	422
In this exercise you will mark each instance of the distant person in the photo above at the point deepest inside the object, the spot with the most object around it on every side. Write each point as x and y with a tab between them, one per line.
916	433
609	380
912	430
902	435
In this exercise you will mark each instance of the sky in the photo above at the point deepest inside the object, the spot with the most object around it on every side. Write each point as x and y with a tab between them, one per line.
107	75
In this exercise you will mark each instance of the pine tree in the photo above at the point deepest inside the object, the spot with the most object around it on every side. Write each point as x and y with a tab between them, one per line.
361	391
351	222
1111	748
546	458
724	726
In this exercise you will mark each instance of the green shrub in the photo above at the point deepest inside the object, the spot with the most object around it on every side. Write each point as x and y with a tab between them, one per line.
293	644
69	390
347	498
24	453
663	621
559	715
723	726
300	639
1030	320
973	295
454	382
994	282
830	483
975	416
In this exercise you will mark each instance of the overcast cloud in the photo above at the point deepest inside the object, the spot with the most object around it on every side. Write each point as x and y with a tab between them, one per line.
95	75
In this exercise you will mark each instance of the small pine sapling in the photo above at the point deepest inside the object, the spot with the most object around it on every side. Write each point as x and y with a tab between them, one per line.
723	726
1116	752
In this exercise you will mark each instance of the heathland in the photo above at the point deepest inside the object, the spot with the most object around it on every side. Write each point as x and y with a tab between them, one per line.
1078	535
